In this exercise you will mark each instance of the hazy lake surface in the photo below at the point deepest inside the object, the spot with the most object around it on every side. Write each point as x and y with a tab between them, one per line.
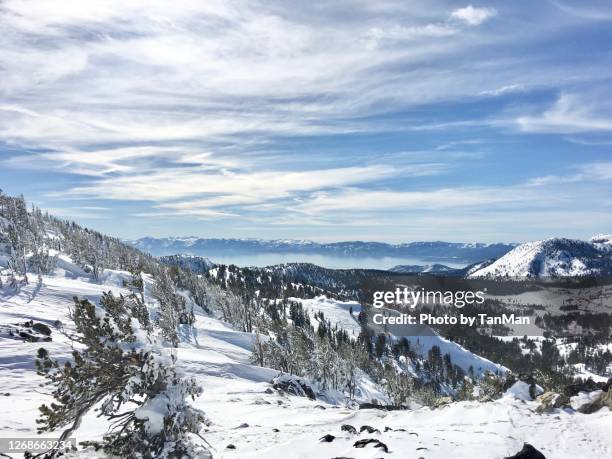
267	259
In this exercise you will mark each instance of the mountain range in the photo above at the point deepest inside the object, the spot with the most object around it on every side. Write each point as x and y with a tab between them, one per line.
434	251
549	258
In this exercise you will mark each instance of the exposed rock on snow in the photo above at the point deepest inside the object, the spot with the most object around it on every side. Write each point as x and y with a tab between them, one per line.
603	400
549	401
528	452
369	429
584	386
371	441
294	385
41	328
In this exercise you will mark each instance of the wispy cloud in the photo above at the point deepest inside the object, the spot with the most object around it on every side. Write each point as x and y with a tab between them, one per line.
261	111
570	114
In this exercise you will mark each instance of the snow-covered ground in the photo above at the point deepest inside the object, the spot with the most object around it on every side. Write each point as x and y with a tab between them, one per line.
261	422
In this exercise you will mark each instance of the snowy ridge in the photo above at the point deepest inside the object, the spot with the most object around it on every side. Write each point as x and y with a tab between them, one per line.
556	257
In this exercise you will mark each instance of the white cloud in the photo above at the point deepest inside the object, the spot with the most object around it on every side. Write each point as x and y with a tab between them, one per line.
473	16
570	114
507	89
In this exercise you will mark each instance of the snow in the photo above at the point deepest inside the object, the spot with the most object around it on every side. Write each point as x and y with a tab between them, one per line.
236	392
520	391
336	311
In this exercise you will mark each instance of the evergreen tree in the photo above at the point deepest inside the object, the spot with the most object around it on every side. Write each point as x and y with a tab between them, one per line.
123	370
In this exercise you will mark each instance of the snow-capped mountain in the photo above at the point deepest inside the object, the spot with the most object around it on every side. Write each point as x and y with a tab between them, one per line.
437	250
556	257
435	268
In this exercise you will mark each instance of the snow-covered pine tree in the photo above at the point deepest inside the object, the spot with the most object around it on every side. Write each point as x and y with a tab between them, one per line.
129	378
172	307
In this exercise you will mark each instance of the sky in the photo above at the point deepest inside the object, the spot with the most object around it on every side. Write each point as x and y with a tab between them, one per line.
391	120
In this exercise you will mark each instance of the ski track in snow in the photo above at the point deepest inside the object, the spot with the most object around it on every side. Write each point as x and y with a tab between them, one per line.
235	393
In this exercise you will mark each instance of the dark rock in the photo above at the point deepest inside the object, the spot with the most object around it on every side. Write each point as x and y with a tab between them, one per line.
348	428
327	438
583	386
261	401
364	442
275	430
368	429
376	406
371	441
41	328
244	425
528	452
603	400
319	407
606	387
382	446
268	391
387	429
28	337
294	386
230	446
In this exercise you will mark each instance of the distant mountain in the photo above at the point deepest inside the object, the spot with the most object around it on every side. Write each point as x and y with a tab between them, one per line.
436	268
557	257
434	251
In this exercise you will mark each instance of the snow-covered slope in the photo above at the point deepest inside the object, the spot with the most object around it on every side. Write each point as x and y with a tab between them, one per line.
556	257
263	423
421	338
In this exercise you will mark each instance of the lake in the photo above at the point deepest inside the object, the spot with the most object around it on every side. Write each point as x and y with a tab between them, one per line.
326	261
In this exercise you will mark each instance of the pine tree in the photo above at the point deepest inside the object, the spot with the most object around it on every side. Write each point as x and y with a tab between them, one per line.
124	370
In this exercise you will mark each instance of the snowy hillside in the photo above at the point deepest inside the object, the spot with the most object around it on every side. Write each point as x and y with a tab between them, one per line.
344	314
249	419
555	257
102	342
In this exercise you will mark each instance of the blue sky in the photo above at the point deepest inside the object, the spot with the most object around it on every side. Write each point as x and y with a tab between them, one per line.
387	120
